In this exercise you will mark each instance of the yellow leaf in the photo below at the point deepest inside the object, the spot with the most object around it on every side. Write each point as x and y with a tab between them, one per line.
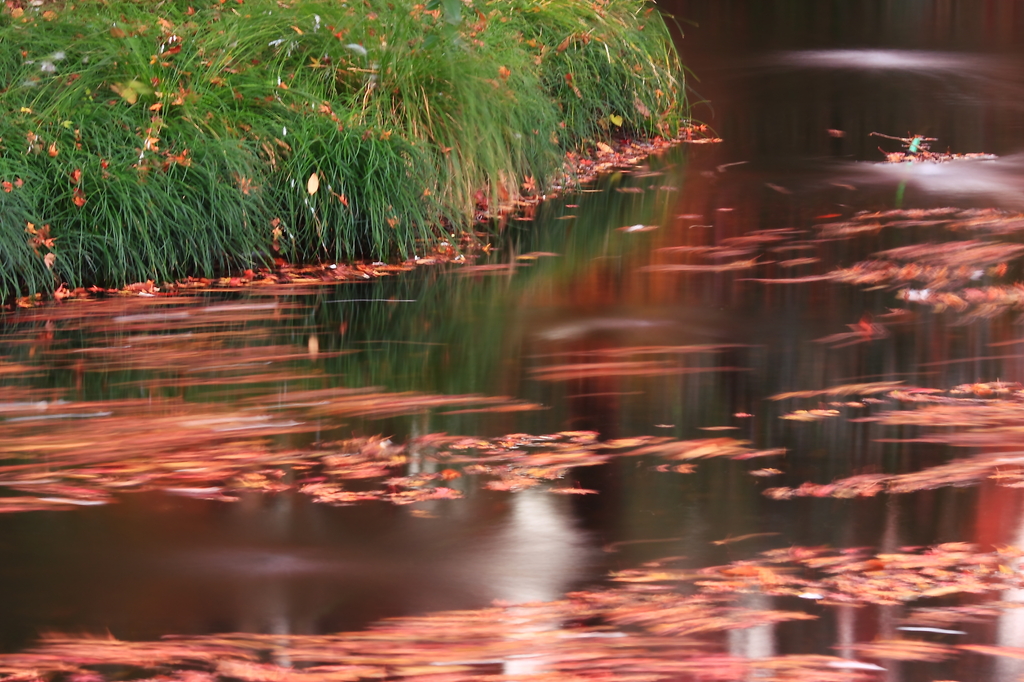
616	120
126	91
297	30
313	184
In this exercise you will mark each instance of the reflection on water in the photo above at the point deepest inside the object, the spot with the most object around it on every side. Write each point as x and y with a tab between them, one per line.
534	555
173	448
155	564
982	182
902	60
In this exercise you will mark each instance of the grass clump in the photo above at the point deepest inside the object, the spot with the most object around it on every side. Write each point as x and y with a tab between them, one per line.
155	140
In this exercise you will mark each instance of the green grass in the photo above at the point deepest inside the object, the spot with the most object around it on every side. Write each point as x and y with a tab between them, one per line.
162	139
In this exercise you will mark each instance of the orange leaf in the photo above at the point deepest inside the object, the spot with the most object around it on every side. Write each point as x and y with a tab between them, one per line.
76	176
79	198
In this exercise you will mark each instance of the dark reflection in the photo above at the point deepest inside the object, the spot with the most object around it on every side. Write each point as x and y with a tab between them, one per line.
156	564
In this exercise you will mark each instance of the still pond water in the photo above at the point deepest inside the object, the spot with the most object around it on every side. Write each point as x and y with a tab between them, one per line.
129	424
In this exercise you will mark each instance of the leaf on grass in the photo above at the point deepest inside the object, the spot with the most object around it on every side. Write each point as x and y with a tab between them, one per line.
313	184
132	90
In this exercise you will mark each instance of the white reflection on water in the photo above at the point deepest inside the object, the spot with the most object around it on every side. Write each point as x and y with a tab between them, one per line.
535	556
1010	627
576	329
1000	180
900	60
758	641
537	553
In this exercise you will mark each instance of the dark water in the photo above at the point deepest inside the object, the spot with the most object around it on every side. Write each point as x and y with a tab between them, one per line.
777	76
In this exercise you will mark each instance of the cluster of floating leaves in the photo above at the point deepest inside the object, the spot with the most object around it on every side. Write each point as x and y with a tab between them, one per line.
858	575
57	453
657	622
954	275
990	221
498	644
60	454
983	415
935	266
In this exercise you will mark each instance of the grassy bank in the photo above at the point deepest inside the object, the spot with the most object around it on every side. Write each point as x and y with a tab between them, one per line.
145	140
